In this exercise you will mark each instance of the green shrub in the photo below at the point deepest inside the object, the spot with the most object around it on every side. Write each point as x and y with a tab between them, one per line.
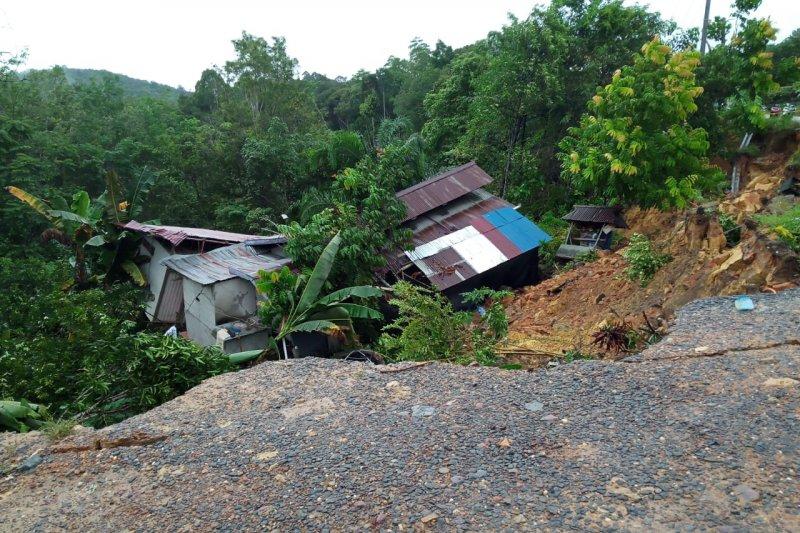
643	260
556	227
785	225
79	354
428	328
494	318
732	230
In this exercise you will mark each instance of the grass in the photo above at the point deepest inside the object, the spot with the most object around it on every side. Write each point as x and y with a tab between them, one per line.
56	430
785	225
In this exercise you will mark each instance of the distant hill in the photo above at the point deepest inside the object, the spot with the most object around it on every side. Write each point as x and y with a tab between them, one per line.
131	86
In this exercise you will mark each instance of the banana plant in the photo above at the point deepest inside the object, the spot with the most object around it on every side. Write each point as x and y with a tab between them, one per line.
310	312
95	226
20	416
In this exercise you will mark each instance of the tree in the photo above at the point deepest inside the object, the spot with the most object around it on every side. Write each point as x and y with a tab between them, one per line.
736	74
635	146
360	206
787	59
263	75
508	100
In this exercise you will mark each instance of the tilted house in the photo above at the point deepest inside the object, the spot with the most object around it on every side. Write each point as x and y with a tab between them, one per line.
464	237
202	281
216	295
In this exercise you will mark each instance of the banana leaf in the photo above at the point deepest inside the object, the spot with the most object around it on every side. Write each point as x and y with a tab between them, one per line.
80	204
97	240
245	357
319	275
313	325
360	291
69	216
361	311
133	271
19	416
38	205
146	181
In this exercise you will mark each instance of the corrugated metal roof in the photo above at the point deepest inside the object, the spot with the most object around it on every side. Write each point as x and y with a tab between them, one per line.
236	260
177	234
596	214
442	189
466	237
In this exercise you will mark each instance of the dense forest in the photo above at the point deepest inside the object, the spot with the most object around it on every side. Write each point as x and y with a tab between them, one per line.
583	100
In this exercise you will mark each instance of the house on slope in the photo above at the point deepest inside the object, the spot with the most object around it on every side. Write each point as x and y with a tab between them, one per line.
161	242
212	295
464	237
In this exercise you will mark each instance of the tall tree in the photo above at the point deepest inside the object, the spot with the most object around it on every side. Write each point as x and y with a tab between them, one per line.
635	146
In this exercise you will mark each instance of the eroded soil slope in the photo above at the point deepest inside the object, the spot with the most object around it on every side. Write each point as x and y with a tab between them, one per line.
563	313
700	431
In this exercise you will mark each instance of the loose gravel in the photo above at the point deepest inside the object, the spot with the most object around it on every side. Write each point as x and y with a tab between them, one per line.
675	439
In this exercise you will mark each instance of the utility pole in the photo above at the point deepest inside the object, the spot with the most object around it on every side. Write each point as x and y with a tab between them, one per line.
704	32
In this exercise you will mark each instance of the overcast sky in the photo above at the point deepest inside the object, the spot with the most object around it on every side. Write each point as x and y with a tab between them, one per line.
172	41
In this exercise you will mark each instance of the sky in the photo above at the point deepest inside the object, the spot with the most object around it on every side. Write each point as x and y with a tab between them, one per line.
173	41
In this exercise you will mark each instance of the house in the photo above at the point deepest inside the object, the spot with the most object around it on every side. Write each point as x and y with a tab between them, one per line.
464	237
160	242
590	227
213	294
202	281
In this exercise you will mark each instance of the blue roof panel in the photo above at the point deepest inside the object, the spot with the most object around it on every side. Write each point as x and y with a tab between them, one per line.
522	232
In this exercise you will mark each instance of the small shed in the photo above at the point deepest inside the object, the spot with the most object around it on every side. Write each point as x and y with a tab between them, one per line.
214	296
590	227
465	237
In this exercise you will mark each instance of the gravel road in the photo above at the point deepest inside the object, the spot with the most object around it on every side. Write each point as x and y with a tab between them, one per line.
698	432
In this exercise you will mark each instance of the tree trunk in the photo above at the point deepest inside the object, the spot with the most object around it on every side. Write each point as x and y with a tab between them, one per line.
513	137
704	32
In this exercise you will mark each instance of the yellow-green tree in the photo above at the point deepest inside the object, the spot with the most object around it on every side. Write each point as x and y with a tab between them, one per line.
635	146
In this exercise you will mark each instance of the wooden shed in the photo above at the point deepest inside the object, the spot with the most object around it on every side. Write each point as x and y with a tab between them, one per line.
590	227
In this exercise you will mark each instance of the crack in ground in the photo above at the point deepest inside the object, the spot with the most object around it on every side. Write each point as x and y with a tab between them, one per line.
718	353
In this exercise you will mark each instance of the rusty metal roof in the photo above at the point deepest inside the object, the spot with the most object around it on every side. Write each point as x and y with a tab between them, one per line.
442	189
596	214
177	234
237	260
466	237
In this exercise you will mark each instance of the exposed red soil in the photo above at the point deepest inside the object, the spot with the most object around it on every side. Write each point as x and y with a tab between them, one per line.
562	313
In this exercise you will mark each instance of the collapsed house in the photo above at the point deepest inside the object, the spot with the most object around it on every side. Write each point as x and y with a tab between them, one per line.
202	281
464	237
590	227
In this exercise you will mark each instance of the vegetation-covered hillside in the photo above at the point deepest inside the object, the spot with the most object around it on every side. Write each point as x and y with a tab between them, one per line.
132	87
